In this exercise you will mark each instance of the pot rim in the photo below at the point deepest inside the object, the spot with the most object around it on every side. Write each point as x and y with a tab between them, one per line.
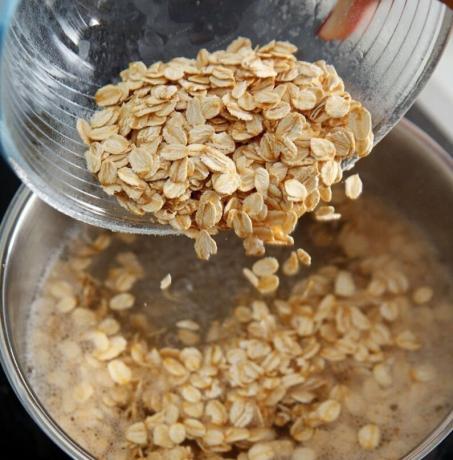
24	199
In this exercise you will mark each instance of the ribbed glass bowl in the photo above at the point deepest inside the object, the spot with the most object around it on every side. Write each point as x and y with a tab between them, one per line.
57	53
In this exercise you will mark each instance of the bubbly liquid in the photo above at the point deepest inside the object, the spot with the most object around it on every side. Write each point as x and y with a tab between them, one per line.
406	411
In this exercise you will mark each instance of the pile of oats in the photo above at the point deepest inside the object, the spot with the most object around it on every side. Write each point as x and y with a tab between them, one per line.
248	139
284	377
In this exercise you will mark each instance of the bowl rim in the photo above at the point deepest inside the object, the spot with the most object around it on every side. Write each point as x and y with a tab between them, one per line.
9	228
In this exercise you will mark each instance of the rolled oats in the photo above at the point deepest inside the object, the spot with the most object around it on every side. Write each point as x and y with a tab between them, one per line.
291	265
177	433
422	294
66	304
271	375
194	428
191	394
369	436
122	301
326	213
407	340
188	324
328	411
137	433
236	123
303	257
161	436
389	310
205	245
83	392
295	190
381	373
353	186
268	284
265	267
119	372
251	277
261	451
423	373
165	282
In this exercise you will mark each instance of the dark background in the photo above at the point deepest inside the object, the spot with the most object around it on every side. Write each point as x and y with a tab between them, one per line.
19	434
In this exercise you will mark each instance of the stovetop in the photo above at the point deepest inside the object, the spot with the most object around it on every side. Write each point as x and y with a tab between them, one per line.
19	434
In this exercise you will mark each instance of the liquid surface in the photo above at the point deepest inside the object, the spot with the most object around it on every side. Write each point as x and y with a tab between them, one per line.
80	394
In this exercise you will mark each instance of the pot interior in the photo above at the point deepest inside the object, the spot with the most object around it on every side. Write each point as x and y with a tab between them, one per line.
405	170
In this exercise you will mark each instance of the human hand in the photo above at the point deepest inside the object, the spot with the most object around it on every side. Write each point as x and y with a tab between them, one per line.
346	16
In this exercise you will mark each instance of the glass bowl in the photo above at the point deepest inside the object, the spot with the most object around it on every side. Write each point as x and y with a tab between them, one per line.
57	53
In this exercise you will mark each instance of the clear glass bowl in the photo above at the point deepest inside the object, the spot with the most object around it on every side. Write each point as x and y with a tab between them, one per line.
57	53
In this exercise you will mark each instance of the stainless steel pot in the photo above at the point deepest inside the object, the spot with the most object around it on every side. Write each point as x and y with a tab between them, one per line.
407	168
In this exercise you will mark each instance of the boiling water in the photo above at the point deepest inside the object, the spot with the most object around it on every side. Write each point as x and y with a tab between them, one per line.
406	412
